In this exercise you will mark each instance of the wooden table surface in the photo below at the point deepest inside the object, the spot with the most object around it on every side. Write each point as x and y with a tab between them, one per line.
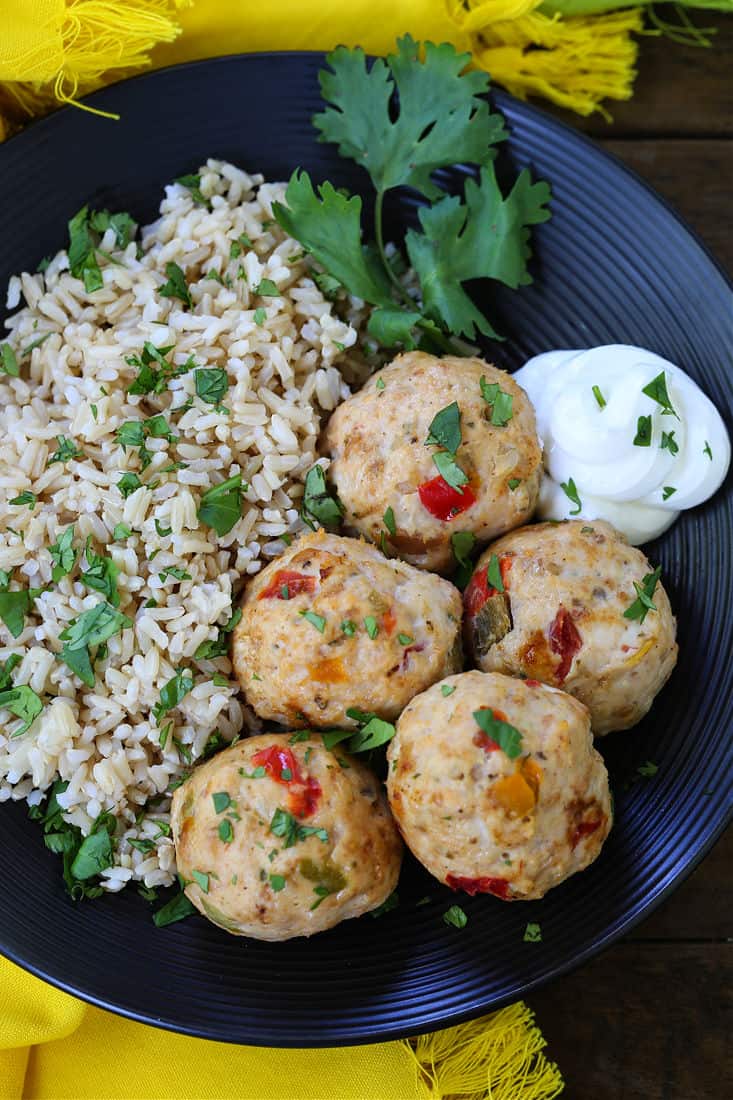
651	1018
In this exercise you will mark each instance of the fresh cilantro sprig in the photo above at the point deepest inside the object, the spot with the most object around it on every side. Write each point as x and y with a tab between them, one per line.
85	229
401	119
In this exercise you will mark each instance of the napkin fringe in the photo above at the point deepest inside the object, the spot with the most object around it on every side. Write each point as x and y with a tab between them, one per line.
497	1057
91	42
575	62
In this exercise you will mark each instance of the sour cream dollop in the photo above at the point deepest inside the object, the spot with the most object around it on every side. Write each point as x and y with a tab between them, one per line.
591	407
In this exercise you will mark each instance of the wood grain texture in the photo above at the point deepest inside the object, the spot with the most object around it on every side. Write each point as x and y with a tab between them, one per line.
644	1022
680	91
651	1018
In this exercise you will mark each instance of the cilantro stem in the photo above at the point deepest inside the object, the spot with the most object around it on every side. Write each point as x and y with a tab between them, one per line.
379	233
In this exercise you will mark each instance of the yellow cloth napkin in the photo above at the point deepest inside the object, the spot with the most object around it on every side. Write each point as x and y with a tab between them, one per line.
53	1047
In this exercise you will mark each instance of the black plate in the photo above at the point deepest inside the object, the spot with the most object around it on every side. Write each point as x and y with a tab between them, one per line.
614	265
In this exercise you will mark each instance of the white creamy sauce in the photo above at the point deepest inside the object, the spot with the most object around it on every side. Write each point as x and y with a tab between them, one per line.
593	444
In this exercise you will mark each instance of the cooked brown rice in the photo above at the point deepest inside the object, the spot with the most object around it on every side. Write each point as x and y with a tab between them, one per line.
284	373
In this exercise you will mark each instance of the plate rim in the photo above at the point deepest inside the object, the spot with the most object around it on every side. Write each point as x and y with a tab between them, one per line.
546	121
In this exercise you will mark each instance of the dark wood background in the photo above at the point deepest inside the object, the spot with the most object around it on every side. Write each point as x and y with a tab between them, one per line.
651	1018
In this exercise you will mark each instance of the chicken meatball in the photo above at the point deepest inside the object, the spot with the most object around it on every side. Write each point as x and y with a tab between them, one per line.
496	785
333	625
277	837
394	467
570	615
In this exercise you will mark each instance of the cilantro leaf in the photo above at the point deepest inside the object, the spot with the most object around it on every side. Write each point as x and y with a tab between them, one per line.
643	437
129	483
221	506
14	606
23	702
532	933
445	429
123	225
391	326
502	403
317	621
449	470
94	855
173	692
192	183
65	451
506	736
26	497
319	506
267	289
81	252
8	361
90	629
6	669
462	544
284	825
376	732
441	118
485	238
668	443
176	287
493	574
570	490
101	575
178	908
328	225
208	650
643	603
657	390
211	384
455	916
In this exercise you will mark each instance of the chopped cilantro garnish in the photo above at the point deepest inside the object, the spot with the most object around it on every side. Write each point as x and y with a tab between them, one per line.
211	384
101	575
226	831
128	484
176	286
287	827
221	506
514	482
669	443
532	933
493	574
643	437
380	384
26	497
88	631
643	603
348	628
175	572
192	183
667	491
570	491
319	506
502	404
218	647
462	544
260	315
449	470
447	689
707	451
445	429
178	908
648	770
82	252
371	626
173	692
8	362
277	882
389	521
455	916
506	736
657	390
24	703
267	289
599	397
201	878
318	621
66	449
405	639
14	606
321	892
